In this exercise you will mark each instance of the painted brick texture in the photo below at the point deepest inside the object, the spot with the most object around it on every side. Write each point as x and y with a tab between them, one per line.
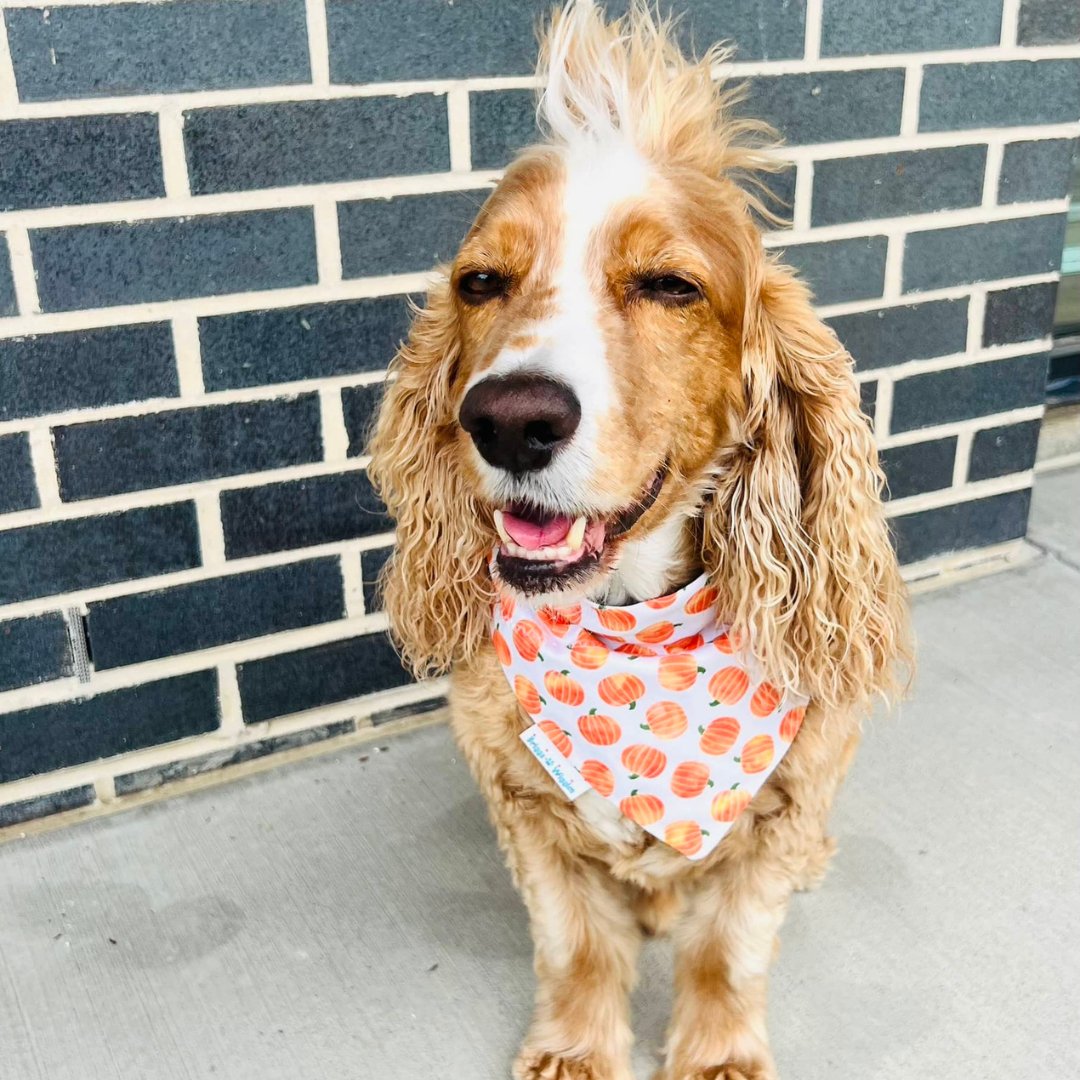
214	215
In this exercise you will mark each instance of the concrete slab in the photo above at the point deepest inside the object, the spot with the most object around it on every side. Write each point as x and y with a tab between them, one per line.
1055	514
344	919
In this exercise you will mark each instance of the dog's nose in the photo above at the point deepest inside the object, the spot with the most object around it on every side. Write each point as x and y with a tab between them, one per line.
518	421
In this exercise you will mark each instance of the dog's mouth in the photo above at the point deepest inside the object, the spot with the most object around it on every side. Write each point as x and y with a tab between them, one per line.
541	551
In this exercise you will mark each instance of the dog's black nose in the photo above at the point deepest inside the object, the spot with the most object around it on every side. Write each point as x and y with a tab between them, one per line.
518	421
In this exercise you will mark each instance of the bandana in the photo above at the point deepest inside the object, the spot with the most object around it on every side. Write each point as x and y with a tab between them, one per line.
655	706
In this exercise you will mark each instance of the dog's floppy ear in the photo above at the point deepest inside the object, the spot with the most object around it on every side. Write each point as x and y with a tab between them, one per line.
436	590
795	538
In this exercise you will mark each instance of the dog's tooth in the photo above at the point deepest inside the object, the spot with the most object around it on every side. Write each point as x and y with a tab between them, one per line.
562	552
576	535
500	528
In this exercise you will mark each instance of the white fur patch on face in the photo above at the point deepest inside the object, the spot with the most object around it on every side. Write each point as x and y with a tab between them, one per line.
600	176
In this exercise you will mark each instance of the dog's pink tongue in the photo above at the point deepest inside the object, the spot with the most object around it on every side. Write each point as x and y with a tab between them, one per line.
532	535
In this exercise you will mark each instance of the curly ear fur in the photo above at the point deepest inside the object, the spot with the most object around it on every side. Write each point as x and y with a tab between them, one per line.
437	577
795	538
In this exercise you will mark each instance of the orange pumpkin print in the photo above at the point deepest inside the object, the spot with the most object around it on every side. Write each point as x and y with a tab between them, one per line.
720	736
562	688
571	614
557	626
559	738
527	695
616	619
598	729
729	643
621	689
502	650
685	644
728	685
506	606
642	760
632	648
661	602
653	635
757	754
678	672
684	837
789	726
728	805
702	600
689	779
528	638
598	776
588	652
766	698
643	809
666	720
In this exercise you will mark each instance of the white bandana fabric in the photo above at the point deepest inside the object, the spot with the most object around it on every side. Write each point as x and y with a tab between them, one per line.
653	704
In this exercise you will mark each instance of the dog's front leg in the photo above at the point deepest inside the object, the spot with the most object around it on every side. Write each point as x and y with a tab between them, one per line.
725	942
586	942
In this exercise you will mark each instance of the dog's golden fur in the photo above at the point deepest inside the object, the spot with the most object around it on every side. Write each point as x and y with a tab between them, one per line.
751	402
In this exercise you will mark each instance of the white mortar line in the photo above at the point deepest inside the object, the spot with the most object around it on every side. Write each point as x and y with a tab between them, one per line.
318	42
155	582
211	531
894	269
189	373
173	158
956	427
327	241
995	153
22	272
9	93
980	489
812	40
335	435
232	714
962	461
105	789
802	200
43	460
953	567
459	121
1058	461
908	368
353	584
883	410
909	110
976	315
1010	19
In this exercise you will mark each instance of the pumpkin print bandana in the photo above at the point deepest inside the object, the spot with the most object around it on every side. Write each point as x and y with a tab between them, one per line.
653	705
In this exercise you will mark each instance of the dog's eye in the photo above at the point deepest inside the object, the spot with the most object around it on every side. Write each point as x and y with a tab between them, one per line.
669	289
479	286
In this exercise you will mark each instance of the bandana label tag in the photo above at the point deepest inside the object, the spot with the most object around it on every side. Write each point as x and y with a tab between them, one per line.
558	768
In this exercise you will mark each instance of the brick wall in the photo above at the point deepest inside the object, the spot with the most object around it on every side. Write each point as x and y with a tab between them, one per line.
211	213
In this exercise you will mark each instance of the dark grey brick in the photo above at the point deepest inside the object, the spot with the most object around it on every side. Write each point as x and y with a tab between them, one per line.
57	736
292	682
130	263
964	525
855	28
107	457
778	197
868	398
131	629
43	805
1048	22
86	369
1002	450
79	159
827	106
940	257
892	185
371	564
999	94
431	39
412	232
841	270
501	122
360	405
300	513
315	142
255	348
67	51
156	776
925	466
18	490
1021	314
59	556
1038	169
974	390
894	335
34	650
8	304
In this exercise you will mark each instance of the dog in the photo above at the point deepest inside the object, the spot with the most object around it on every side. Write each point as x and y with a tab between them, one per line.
611	392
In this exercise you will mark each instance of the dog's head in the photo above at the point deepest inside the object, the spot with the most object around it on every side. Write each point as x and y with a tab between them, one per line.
612	355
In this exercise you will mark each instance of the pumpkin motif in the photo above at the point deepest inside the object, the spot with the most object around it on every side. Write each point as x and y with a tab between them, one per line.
789	726
684	837
728	685
502	650
506	606
621	689
588	652
643	809
678	672
559	627
528	637
598	776
766	698
598	729
702	600
731	642
642	760
632	648
757	754
527	694
616	619
661	602
690	779
666	719
559	738
685	644
653	635
720	736
562	688
728	805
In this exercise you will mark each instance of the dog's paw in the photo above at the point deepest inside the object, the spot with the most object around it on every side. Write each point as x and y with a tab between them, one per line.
541	1065
731	1070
